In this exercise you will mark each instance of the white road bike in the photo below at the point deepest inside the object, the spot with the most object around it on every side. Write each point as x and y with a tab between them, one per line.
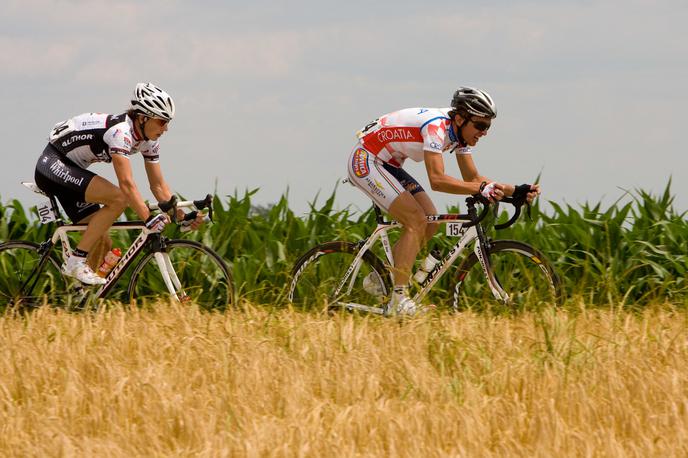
348	275
180	270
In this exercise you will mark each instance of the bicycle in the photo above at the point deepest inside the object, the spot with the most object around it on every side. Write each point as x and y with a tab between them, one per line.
169	269
351	276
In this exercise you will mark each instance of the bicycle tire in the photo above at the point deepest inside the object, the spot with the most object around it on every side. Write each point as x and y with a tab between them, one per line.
23	283
317	274
521	270
204	276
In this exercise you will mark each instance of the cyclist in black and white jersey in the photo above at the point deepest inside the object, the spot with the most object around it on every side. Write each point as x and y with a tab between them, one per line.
80	141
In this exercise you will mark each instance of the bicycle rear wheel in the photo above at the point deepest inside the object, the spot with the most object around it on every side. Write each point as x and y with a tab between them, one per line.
522	272
326	275
27	279
199	275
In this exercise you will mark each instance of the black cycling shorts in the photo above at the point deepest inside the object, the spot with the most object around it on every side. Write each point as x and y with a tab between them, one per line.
405	179
57	176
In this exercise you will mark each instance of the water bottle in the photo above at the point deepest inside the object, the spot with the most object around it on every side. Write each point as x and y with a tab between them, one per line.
426	266
111	258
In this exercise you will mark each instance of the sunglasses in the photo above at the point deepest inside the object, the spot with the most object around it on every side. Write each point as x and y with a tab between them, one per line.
482	126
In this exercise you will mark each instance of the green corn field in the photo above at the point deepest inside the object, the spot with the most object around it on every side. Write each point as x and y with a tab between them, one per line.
632	253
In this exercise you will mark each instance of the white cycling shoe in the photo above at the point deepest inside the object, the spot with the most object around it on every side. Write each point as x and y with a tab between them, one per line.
401	305
76	267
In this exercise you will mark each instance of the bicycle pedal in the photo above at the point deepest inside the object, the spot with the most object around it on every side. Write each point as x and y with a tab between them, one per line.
79	291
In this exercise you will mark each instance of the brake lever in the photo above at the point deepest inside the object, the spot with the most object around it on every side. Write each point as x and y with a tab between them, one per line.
205	203
169	207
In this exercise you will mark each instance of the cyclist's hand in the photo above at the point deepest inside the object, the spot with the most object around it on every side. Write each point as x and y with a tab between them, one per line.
181	217
182	220
198	222
156	223
493	191
533	193
529	191
190	224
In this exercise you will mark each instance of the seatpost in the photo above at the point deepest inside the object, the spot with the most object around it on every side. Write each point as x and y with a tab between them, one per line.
378	214
56	210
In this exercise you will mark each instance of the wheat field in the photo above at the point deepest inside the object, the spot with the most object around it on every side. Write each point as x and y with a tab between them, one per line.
176	381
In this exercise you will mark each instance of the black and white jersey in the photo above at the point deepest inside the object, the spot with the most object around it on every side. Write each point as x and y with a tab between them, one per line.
95	137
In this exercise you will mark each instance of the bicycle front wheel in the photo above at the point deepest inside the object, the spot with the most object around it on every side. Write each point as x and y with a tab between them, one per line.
186	271
519	269
27	278
327	276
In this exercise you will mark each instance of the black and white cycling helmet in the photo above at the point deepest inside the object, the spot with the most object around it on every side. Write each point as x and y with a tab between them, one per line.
475	102
152	101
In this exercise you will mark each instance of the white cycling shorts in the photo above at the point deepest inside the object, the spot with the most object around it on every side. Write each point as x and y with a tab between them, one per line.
380	181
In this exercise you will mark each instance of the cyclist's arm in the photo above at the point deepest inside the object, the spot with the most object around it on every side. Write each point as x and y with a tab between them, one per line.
469	172
125	178
440	181
158	185
162	191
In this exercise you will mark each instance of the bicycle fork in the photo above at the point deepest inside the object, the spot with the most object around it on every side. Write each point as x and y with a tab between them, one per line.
169	276
481	250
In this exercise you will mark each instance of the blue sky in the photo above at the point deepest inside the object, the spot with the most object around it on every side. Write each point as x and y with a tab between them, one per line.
591	94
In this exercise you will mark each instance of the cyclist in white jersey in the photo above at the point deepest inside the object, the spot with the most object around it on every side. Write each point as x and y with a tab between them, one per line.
77	143
423	134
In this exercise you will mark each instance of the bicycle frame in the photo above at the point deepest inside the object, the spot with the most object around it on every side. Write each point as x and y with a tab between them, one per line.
155	239
469	232
162	259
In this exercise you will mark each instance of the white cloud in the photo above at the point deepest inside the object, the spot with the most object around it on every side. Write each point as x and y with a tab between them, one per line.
256	55
28	58
582	86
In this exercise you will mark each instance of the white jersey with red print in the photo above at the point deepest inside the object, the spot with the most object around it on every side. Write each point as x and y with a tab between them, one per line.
407	133
95	137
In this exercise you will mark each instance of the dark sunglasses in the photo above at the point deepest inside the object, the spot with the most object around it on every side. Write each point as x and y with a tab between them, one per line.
482	126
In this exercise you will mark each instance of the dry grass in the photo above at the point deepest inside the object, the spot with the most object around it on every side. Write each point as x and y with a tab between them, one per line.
177	382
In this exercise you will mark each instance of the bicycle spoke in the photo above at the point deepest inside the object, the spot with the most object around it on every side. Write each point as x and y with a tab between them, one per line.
24	282
187	271
327	276
520	271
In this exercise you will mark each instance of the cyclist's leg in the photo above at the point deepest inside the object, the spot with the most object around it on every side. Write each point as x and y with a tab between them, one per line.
114	203
95	240
80	198
370	175
429	208
411	185
408	211
57	175
97	252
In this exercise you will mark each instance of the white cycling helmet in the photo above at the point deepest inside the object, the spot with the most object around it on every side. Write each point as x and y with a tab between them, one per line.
475	102
152	101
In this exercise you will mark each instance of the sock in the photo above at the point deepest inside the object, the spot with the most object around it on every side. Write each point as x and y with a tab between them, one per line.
79	253
401	290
